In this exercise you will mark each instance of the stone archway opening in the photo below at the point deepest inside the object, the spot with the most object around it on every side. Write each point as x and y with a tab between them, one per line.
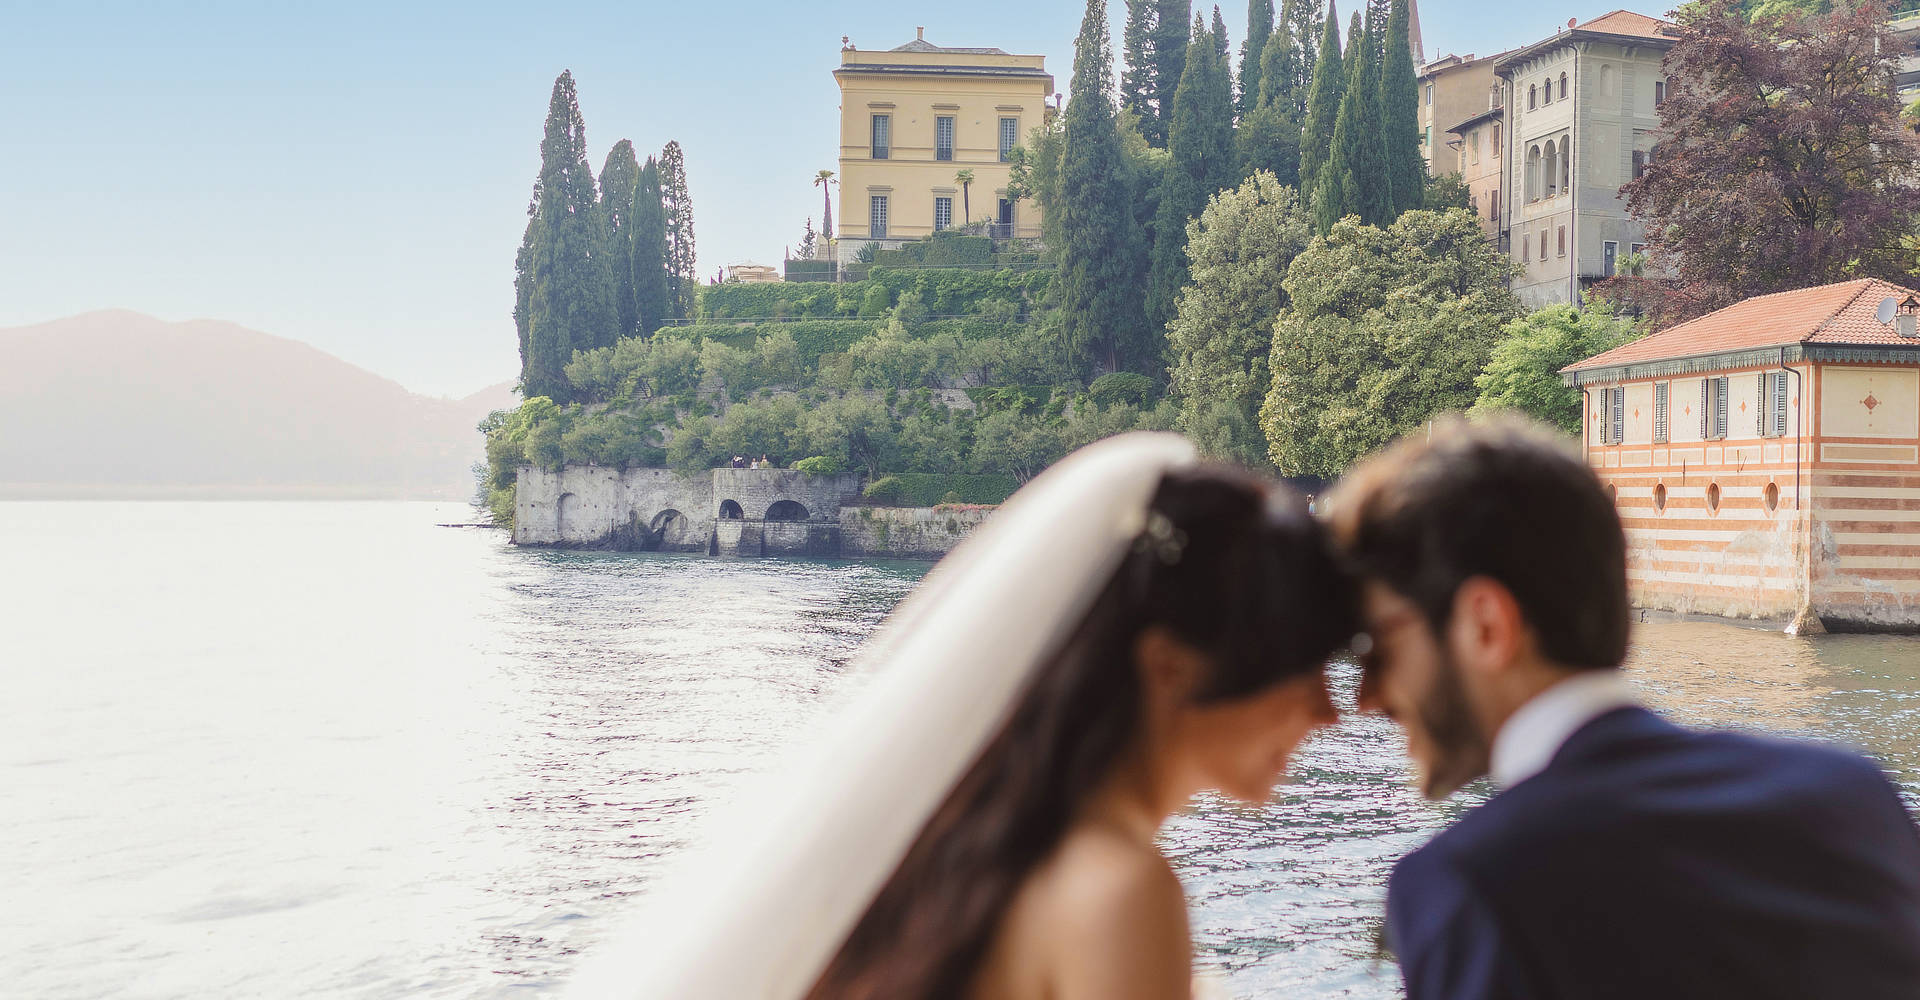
730	511
669	527
787	510
566	512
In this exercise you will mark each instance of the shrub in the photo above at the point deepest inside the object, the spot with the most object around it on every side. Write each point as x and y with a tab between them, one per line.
1120	387
820	465
927	489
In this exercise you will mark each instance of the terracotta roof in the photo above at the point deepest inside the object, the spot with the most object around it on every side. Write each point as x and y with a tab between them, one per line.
922	45
1841	313
1626	22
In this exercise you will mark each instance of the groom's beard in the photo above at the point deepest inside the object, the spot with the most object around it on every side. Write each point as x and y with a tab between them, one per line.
1459	752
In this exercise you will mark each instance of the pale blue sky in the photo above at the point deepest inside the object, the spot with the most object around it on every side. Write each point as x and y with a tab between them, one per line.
355	175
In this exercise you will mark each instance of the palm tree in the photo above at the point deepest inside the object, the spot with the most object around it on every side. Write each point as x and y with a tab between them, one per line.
964	178
823	179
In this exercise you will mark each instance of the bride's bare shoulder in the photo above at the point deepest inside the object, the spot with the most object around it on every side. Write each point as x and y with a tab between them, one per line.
1103	916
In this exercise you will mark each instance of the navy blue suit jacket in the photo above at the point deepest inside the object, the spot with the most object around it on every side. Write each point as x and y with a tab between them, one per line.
1651	861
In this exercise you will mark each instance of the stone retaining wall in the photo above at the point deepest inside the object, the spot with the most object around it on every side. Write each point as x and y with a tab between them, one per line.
906	532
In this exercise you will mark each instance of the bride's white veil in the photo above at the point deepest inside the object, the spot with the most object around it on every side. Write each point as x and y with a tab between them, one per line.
764	898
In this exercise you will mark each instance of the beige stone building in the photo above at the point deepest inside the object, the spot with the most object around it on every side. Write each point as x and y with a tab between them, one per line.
913	117
1581	110
1462	124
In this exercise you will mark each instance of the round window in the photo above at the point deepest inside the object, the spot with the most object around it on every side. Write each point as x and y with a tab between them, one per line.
1613	494
1660	496
1772	496
1713	497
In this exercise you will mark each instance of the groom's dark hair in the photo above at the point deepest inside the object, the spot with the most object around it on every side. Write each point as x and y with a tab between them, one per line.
1507	499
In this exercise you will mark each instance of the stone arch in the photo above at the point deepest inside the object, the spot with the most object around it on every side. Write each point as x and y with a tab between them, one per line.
1550	171
566	511
1606	79
669	527
1566	164
1533	172
787	510
730	510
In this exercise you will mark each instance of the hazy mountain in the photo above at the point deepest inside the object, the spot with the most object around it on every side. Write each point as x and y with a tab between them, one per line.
117	404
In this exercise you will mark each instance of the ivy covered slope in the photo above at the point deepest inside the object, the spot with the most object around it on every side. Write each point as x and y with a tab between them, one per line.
937	385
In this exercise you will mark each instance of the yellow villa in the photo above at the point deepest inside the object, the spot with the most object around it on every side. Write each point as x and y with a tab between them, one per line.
912	118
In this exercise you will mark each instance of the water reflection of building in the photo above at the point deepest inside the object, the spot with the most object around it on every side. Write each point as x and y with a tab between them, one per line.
1775	681
1766	457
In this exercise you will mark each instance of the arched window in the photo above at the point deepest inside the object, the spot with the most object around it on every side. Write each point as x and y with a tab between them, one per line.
1550	172
1563	86
1533	173
1566	164
1546	86
1533	93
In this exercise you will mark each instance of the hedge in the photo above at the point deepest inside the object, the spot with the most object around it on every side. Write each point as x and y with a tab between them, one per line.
926	489
814	337
809	270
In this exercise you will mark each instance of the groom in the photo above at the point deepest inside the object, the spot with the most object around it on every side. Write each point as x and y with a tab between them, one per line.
1622	856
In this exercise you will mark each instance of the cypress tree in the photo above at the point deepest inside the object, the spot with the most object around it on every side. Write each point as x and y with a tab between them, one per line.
1279	64
1219	32
1355	181
571	303
523	292
1252	52
652	300
682	267
1201	162
1171	36
1323	104
1400	114
617	178
1376	29
1269	137
1304	27
1137	84
1098	284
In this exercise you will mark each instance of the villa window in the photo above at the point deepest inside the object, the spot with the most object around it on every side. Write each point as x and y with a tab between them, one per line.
1543	244
1608	252
1496	140
1429	95
1546	97
1566	163
1533	94
1713	408
1659	92
1771	415
1639	163
1009	137
877	216
882	136
1493	204
942	213
1563	86
1617	414
1526	250
1562	237
943	137
1660	413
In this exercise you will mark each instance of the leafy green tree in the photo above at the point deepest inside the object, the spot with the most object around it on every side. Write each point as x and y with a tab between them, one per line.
653	296
1241	248
1523	372
1385	328
1447	191
1324	97
682	265
1269	140
1252	51
1406	168
1202	162
1036	174
571	302
617	179
1098	284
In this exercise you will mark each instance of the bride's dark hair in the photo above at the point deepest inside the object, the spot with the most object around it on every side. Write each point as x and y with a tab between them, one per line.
1236	569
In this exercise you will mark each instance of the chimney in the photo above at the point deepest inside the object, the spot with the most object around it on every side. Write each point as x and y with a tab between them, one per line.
1904	325
920	32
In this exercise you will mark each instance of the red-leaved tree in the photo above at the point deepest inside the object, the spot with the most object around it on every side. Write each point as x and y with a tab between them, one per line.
1782	160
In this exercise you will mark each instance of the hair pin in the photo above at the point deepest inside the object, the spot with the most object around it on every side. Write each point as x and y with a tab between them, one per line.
1161	538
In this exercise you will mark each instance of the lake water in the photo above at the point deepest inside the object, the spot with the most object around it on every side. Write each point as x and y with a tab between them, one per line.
333	750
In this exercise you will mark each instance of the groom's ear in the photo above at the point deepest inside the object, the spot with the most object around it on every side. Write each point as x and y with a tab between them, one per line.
1488	631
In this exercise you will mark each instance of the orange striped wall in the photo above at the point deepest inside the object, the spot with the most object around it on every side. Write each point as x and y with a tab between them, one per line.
1843	533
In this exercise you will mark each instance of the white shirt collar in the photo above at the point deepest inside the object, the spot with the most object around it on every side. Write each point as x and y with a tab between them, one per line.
1539	728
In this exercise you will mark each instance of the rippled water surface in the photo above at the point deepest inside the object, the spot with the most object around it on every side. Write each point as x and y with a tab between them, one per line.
333	750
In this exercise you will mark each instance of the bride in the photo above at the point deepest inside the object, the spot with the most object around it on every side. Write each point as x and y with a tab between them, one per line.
1166	634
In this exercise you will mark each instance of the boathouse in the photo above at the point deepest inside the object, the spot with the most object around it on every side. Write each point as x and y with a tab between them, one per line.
1766	457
